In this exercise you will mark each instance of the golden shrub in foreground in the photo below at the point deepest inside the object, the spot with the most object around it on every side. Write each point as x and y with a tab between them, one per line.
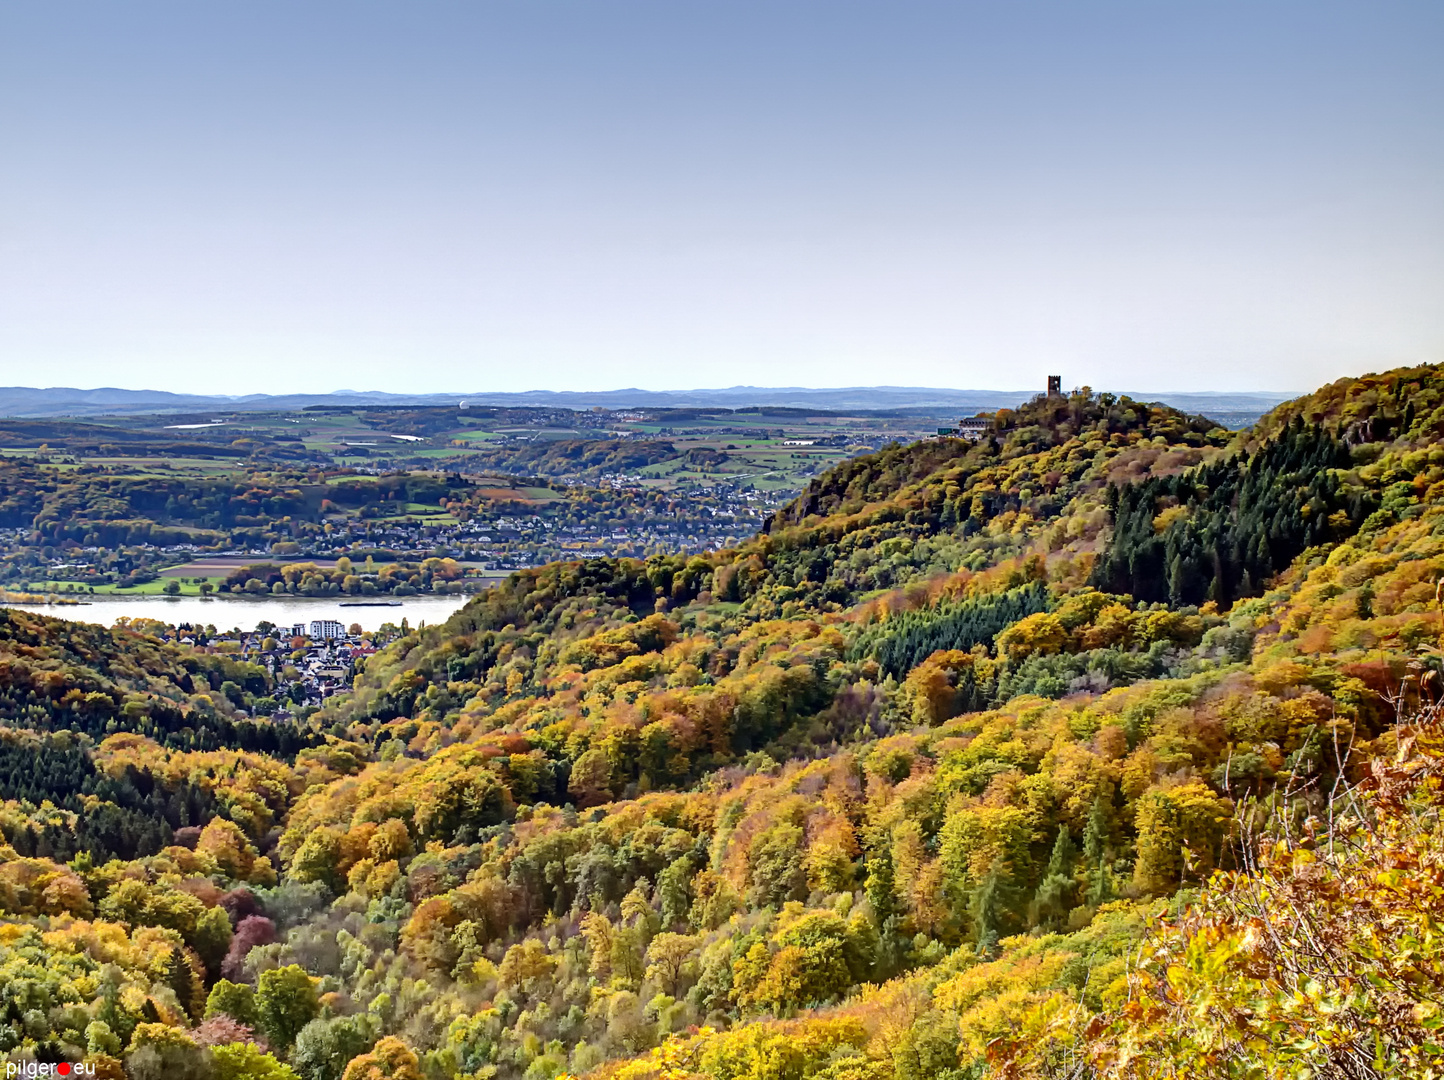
1325	961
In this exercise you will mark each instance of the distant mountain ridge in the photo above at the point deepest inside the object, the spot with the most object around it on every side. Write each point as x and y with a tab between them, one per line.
19	401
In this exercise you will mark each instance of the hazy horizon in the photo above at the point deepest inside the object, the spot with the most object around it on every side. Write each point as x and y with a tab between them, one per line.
55	402
286	198
718	389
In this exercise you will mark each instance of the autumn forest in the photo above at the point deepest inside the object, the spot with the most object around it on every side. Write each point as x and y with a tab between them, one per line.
1104	745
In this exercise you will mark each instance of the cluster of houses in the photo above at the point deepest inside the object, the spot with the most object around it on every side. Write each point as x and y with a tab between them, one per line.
325	656
308	662
972	428
332	653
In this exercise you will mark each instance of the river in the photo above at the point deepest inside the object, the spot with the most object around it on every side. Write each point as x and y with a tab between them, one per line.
238	614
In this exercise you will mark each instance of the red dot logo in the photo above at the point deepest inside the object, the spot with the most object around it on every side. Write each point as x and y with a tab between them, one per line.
63	1068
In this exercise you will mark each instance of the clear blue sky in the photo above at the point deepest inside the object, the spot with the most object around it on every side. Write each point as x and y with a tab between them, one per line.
242	196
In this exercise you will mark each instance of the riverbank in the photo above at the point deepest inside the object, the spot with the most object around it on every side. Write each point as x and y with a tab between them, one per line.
209	577
9	596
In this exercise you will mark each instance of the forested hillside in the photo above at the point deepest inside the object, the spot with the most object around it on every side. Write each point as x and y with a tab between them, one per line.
577	457
1103	746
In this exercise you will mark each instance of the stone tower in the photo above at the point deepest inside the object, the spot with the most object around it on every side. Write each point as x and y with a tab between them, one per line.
1055	386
